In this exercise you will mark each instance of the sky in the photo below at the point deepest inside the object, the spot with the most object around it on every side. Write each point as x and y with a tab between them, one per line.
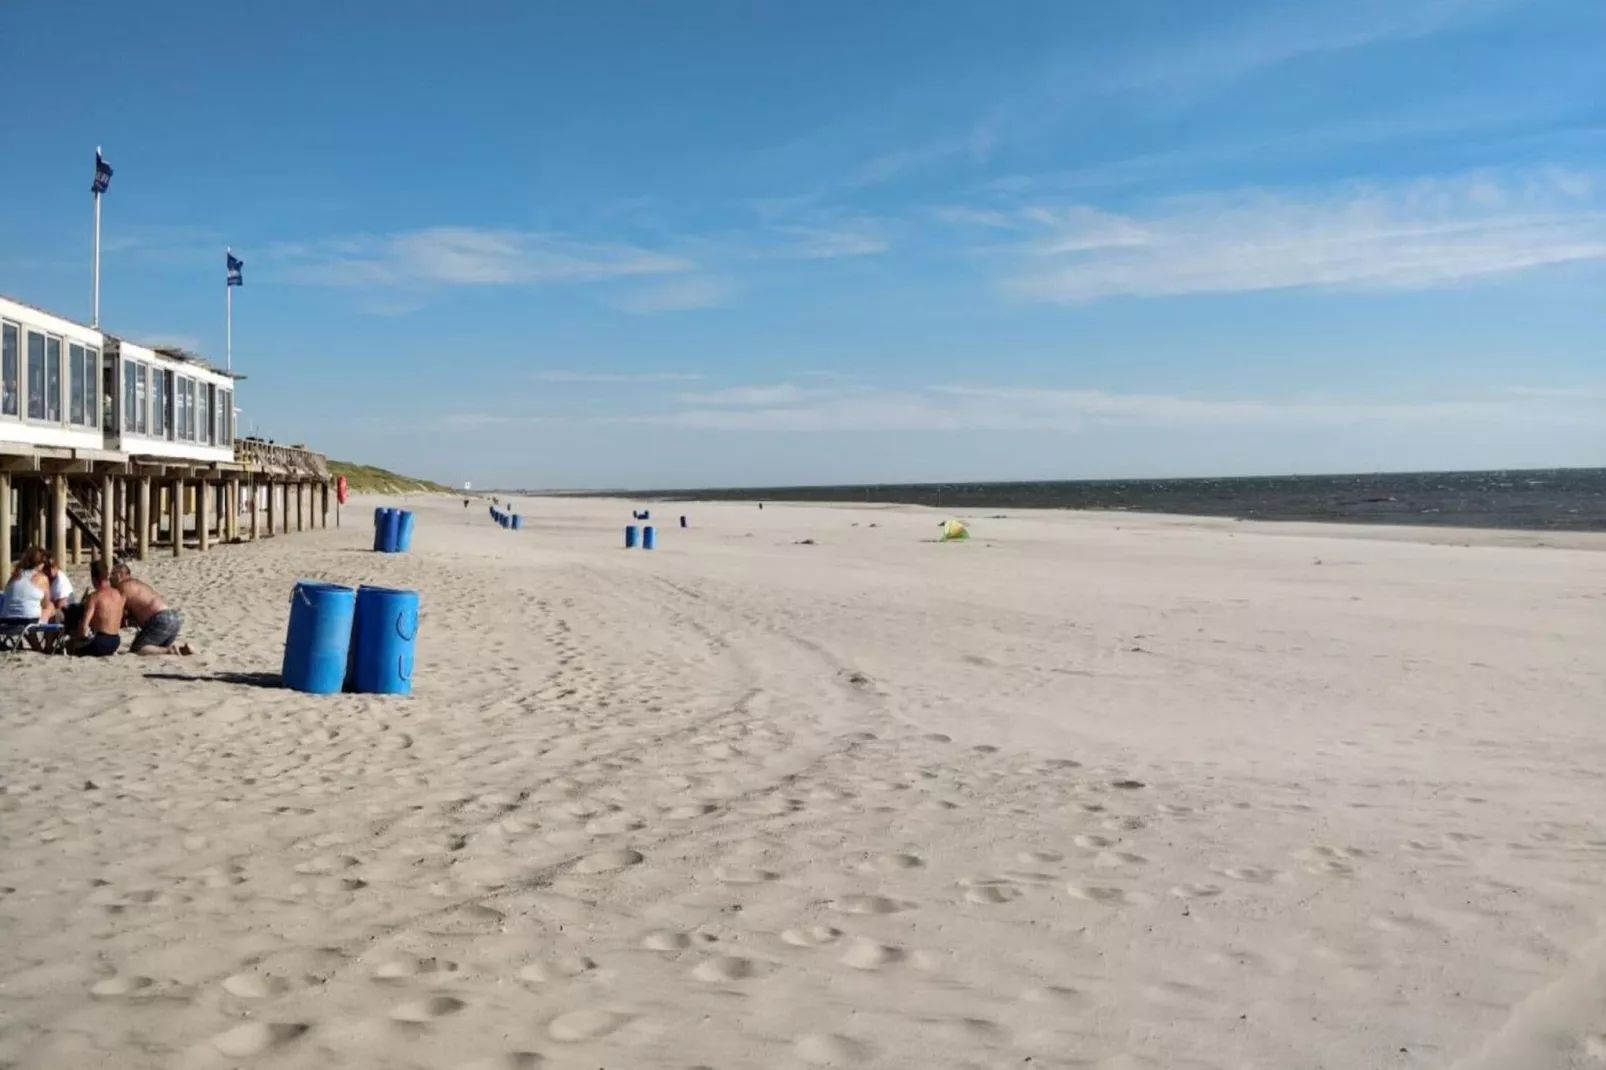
751	242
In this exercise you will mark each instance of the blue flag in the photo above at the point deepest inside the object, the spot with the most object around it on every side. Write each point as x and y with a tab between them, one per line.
103	174
236	270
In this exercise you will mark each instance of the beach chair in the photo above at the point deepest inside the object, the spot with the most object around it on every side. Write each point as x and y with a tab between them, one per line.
14	636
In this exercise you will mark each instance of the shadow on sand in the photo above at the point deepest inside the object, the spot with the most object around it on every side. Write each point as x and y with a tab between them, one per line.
270	680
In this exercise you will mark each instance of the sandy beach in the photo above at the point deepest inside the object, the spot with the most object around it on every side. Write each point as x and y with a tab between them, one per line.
1089	790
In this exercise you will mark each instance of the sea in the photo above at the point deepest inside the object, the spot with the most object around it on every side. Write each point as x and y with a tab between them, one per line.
1562	499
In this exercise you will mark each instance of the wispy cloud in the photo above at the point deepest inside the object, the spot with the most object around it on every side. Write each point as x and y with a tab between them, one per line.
786	407
157	340
466	256
559	375
755	396
676	295
1028	105
862	238
1290	31
1427	233
1001	408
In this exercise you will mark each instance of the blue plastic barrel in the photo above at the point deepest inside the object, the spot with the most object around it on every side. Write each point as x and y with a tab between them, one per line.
518	522
387	528
648	538
630	536
318	641
382	635
404	531
381	520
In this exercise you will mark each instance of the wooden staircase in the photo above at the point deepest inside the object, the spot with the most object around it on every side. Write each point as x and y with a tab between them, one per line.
83	512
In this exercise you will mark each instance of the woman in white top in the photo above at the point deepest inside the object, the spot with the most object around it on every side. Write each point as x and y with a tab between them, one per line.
27	595
61	591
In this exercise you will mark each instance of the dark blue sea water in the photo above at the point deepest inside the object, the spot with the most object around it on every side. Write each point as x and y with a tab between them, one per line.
1565	499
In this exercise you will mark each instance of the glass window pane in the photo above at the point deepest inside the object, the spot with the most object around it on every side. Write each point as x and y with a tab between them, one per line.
10	361
36	376
143	400
92	387
75	383
53	380
129	425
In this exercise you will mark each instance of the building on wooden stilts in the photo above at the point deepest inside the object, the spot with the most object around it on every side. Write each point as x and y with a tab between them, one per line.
111	448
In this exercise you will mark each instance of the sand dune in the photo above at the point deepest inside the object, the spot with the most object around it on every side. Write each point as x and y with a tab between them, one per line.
1089	790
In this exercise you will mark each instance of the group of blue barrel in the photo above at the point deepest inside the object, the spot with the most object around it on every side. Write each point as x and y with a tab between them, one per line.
648	535
358	640
511	521
393	531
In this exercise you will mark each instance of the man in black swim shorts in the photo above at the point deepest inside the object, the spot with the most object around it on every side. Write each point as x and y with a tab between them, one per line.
98	625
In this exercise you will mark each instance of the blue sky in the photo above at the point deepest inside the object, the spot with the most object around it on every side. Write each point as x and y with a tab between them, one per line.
730	242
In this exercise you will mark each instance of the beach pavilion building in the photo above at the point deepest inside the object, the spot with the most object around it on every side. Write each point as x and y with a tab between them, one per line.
112	446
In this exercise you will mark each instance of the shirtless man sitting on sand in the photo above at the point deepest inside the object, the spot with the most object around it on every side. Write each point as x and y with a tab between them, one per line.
158	625
96	632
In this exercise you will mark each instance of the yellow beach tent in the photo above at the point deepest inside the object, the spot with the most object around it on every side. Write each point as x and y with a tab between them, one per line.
953	531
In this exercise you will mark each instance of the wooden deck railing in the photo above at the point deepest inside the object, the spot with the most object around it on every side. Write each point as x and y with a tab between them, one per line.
270	458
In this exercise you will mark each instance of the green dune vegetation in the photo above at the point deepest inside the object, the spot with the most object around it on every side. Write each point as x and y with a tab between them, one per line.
370	479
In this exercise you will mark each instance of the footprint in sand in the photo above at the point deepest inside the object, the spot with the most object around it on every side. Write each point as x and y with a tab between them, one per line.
1040	858
556	969
990	891
400	969
1058	995
1093	842
868	955
1096	893
120	987
867	904
255	986
744	875
254	1038
1252	874
814	936
615	824
323	864
723	970
690	812
1116	859
424	1011
586	1024
891	863
829	1049
666	941
513	1060
1196	890
607	861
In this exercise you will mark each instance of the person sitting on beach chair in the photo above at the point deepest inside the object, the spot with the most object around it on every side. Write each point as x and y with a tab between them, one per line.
61	592
148	611
100	621
26	612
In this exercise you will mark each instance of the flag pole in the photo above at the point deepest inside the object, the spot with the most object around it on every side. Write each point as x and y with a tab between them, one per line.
228	290
94	310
